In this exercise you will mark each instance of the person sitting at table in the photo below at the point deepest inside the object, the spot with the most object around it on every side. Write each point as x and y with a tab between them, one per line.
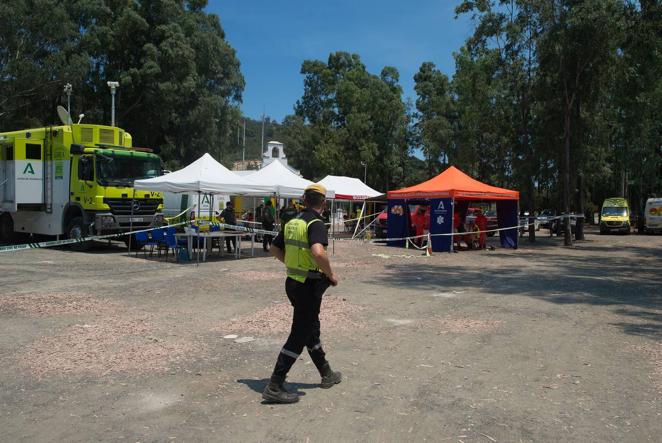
230	219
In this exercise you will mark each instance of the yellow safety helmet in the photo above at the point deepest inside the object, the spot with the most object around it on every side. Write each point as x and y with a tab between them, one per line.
315	187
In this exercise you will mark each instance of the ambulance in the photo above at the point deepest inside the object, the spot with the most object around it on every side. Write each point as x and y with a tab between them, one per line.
615	216
653	215
73	181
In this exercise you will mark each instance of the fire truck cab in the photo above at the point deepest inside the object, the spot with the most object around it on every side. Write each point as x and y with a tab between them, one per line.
73	181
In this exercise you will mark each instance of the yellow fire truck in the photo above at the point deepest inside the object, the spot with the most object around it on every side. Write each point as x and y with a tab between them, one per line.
75	180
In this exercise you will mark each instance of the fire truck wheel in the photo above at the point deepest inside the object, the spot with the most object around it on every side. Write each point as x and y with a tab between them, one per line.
77	229
7	234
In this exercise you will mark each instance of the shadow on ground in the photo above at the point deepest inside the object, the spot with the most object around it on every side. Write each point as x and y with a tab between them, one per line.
630	282
259	385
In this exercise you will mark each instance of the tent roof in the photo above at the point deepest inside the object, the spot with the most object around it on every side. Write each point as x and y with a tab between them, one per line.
282	181
455	184
348	188
204	175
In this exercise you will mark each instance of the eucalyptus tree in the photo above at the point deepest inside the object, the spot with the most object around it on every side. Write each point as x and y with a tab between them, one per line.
180	83
349	118
434	117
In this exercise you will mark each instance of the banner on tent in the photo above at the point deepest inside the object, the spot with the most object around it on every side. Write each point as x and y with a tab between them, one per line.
441	222
398	221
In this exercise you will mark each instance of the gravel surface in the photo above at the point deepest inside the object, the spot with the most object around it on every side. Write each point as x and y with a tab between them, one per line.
542	343
335	314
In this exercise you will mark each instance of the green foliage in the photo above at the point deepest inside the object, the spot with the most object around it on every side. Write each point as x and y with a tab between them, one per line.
549	88
347	118
434	127
180	82
558	98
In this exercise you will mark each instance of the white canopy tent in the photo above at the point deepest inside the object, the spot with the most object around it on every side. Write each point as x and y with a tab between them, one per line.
348	188
282	180
203	176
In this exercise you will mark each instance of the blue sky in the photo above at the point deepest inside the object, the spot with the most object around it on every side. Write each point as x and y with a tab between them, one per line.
272	38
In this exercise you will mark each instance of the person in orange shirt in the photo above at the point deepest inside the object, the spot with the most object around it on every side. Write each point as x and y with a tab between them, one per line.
481	222
421	221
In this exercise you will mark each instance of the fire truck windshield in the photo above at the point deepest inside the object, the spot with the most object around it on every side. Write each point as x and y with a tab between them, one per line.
123	170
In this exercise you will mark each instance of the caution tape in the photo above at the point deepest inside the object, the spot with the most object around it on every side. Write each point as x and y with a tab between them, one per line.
71	241
181	213
445	234
54	243
354	219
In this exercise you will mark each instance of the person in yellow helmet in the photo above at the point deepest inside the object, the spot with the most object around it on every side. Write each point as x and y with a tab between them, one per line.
301	247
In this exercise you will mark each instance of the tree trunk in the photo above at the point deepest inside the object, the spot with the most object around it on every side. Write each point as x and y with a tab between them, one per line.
530	204
566	178
579	227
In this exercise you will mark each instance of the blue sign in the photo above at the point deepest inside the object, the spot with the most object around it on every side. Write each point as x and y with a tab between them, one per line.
398	221
441	222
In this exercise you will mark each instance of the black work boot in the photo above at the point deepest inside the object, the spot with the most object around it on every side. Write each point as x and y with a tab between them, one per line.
275	392
329	377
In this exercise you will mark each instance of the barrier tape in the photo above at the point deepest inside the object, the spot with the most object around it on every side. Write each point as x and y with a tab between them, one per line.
181	213
420	248
245	229
53	243
451	234
343	221
271	232
71	241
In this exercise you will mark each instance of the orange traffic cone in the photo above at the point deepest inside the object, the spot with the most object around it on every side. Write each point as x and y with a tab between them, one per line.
428	249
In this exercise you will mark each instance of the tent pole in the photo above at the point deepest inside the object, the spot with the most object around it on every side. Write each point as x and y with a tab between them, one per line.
452	225
254	225
333	228
197	237
358	221
211	221
133	198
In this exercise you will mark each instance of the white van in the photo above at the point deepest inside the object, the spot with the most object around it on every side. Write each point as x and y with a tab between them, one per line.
653	215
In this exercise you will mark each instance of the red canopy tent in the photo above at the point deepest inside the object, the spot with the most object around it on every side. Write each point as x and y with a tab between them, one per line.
457	186
453	183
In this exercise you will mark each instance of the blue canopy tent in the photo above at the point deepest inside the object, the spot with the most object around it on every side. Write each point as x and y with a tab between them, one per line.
448	193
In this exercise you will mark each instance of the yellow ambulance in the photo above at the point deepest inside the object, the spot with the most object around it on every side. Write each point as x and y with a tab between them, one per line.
615	216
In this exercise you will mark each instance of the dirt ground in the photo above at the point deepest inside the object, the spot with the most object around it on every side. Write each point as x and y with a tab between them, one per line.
542	343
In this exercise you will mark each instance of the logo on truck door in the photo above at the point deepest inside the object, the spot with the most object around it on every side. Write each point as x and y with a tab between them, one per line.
28	169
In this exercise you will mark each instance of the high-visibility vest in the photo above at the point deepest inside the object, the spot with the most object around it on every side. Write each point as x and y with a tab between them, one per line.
299	260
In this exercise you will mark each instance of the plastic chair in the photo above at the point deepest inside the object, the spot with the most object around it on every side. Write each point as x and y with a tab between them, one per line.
158	237
172	243
143	240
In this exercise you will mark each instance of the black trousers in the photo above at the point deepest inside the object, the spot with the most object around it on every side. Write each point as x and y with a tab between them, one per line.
230	244
306	298
267	239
